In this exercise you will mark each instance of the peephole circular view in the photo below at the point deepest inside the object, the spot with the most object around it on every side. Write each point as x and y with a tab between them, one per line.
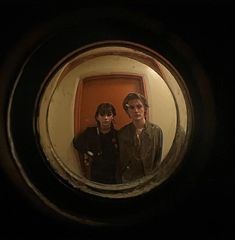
114	119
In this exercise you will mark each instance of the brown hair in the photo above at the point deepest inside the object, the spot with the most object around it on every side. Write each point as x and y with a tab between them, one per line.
105	108
132	96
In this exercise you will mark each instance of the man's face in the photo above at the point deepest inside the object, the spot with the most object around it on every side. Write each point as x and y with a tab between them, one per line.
136	110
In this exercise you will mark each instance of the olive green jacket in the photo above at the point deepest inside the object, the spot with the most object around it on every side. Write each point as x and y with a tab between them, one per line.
138	160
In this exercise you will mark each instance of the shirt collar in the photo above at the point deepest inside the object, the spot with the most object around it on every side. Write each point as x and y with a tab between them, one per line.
146	128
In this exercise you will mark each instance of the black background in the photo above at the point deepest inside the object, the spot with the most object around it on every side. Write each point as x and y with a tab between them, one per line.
208	211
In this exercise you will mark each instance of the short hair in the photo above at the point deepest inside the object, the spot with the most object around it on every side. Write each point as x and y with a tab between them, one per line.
105	108
132	96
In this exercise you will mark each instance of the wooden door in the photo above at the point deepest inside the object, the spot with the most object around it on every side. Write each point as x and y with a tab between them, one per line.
106	88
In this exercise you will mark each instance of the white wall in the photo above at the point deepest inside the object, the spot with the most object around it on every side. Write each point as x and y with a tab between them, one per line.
61	106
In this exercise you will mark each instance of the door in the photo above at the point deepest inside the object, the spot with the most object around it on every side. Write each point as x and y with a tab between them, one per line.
106	88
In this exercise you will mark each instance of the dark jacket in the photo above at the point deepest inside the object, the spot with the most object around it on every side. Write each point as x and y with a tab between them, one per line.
138	160
98	154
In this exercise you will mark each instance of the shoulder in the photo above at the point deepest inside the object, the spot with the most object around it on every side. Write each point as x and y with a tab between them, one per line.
114	131
88	131
153	127
125	128
91	129
125	132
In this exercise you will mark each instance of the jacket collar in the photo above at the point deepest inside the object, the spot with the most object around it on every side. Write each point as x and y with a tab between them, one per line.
146	130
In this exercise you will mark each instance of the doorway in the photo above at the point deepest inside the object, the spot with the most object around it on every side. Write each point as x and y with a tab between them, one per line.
94	90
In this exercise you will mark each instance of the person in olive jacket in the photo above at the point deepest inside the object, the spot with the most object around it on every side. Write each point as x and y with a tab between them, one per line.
140	142
98	147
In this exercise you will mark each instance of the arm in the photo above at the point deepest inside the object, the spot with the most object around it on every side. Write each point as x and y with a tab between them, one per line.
80	143
158	154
